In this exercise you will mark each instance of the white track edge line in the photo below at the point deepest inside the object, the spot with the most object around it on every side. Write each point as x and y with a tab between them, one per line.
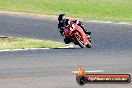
108	22
11	50
6	50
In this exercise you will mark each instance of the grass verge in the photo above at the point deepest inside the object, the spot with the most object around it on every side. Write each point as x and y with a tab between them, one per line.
22	43
107	10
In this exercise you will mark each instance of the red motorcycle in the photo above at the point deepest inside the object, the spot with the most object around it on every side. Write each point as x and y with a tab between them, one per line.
76	34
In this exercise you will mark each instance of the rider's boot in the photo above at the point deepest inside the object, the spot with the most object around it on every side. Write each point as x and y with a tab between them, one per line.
67	40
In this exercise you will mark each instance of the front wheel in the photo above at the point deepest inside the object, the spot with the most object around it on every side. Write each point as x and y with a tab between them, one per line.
89	45
79	41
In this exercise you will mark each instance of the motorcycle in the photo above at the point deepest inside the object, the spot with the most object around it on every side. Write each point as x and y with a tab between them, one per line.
76	34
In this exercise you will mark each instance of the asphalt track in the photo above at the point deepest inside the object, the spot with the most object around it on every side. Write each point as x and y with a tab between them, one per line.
51	68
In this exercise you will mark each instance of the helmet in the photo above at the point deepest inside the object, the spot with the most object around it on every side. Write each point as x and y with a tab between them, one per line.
67	23
61	18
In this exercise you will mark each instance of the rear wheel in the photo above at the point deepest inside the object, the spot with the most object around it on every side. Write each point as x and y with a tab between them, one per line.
79	41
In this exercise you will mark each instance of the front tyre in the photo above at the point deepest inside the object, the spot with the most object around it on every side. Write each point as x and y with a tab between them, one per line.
89	45
79	41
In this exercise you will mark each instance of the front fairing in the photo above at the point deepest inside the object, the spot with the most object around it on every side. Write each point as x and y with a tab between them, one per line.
68	31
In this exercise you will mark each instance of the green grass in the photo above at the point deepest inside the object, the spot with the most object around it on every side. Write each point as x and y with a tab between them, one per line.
22	43
107	10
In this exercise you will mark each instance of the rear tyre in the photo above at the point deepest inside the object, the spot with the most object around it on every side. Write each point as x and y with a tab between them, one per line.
79	41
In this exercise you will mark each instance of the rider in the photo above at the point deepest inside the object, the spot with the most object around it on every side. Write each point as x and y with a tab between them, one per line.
63	22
